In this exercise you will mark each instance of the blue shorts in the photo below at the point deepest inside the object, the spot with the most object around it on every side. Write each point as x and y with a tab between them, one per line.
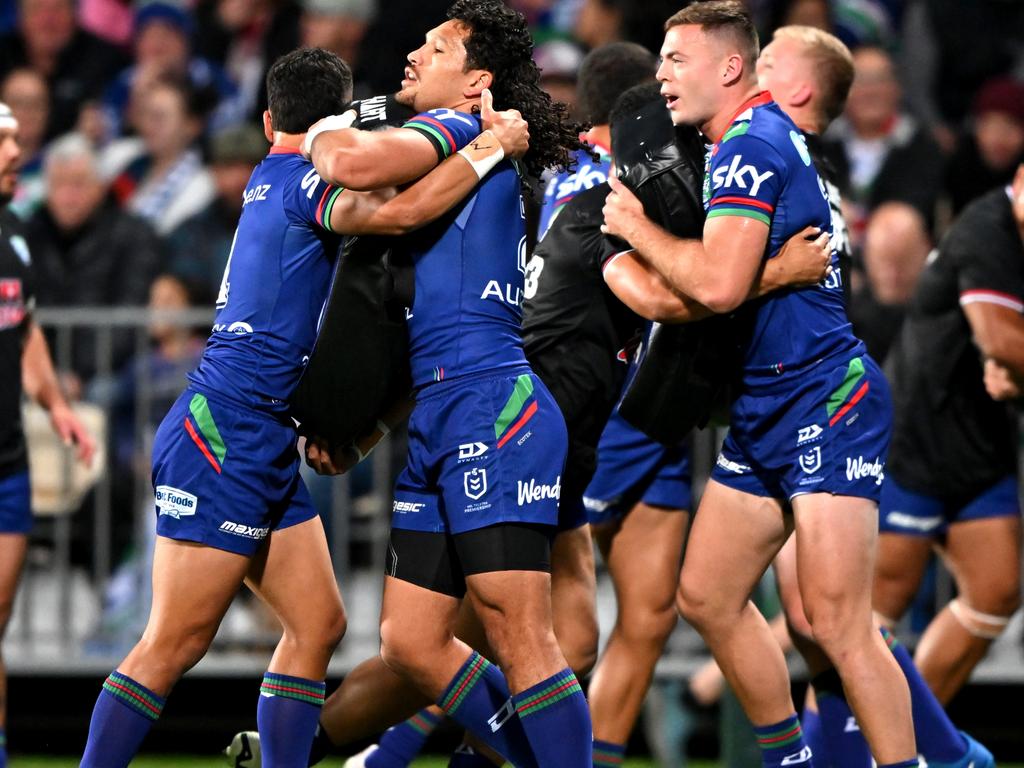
15	503
915	514
631	468
226	475
824	432
483	449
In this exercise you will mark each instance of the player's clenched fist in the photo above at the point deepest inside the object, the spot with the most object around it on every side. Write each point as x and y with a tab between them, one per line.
508	126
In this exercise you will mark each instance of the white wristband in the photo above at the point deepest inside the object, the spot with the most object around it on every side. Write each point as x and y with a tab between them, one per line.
329	123
483	153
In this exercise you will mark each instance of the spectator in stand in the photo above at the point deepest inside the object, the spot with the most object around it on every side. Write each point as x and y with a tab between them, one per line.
110	20
987	156
338	26
163	47
883	152
950	48
896	247
163	179
559	63
199	247
246	37
25	91
604	21
87	251
76	64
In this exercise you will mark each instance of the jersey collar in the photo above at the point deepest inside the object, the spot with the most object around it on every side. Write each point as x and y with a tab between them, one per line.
756	101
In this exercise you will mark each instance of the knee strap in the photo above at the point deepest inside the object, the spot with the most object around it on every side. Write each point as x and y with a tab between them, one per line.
981	625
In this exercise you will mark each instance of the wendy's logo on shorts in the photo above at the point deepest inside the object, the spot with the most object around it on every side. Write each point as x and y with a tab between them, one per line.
810	461
474	482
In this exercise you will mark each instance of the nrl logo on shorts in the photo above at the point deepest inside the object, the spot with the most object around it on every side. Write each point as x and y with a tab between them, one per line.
810	462
474	482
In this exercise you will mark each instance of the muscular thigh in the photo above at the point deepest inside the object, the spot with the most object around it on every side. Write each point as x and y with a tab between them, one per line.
985	557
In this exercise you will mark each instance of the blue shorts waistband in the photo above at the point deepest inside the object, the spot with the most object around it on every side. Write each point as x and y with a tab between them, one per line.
434	389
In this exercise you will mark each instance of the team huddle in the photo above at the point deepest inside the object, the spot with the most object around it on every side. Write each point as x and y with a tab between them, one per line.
717	208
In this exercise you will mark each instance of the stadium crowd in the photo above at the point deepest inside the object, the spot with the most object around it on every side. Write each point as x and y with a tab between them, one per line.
140	124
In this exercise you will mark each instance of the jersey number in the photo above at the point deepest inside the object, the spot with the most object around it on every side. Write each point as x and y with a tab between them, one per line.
533	270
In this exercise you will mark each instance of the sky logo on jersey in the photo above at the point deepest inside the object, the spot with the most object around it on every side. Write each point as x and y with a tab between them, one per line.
858	469
175	502
736	175
533	491
474	483
586	177
245	531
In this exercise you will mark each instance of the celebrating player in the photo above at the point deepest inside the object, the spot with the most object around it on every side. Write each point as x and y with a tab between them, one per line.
810	425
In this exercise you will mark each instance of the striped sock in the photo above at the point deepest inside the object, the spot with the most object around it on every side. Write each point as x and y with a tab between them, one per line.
123	715
400	744
287	715
556	719
608	755
783	744
937	738
478	699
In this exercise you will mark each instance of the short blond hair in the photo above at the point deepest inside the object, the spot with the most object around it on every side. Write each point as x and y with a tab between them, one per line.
832	65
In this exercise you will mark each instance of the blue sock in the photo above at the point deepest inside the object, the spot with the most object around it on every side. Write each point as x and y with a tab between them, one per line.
845	745
608	755
322	746
783	744
122	717
286	716
467	757
937	738
478	699
400	744
556	719
810	721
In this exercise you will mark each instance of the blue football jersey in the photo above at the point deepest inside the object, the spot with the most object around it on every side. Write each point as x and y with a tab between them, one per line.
760	168
564	186
469	271
274	284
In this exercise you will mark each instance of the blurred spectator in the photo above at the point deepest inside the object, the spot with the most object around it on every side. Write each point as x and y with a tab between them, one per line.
988	155
199	247
25	91
163	179
76	64
163	47
559	63
950	48
88	252
246	37
390	38
338	26
110	20
604	21
883	152
867	22
807	13
896	247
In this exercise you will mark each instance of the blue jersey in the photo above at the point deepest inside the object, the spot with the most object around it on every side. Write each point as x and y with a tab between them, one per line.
274	285
564	186
469	270
761	169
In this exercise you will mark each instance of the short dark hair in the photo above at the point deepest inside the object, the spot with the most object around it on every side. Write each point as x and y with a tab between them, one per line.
304	86
723	17
608	72
499	41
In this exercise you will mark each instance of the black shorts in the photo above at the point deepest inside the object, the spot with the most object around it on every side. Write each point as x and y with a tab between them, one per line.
441	562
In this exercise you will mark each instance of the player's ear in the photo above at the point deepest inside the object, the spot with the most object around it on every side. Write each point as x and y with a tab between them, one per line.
268	126
801	95
479	79
732	69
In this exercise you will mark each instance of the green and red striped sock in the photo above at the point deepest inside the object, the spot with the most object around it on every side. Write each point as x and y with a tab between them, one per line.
287	715
783	744
608	755
400	744
556	719
123	715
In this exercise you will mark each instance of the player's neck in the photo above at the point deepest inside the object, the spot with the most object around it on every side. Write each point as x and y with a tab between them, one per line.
288	140
719	124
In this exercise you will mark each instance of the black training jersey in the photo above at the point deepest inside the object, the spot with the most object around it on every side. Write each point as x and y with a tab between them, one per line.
833	183
573	325
951	439
16	300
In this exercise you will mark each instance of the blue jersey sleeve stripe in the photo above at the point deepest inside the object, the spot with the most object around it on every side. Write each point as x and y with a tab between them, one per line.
326	206
746	212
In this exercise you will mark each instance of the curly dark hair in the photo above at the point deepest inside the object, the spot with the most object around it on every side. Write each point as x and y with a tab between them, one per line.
500	42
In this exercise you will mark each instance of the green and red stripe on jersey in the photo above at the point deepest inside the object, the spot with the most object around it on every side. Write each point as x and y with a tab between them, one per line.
202	428
734	205
435	130
849	393
520	407
325	207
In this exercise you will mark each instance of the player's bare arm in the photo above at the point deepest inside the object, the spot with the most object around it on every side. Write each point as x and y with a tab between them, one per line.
718	271
802	261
